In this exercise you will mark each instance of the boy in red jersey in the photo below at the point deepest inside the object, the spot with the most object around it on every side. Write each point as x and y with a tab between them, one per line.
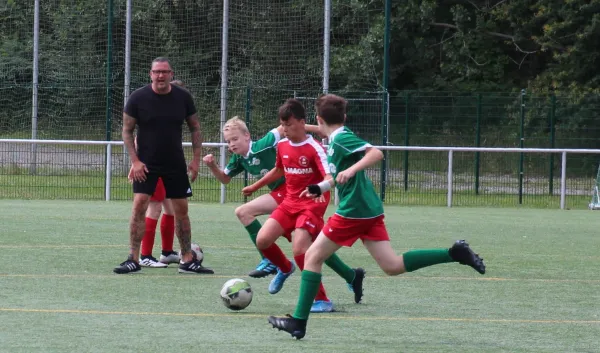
256	158
359	216
302	161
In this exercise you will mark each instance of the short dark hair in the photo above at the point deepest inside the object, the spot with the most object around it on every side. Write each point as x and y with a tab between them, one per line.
292	108
161	59
331	108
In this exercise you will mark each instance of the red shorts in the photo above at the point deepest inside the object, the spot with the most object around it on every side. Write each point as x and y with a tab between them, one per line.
346	231
291	219
159	193
278	194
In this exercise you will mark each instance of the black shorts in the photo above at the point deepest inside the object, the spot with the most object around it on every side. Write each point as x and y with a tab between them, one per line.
177	184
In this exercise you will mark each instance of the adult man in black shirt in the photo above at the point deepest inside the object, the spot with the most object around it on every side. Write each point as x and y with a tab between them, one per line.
159	111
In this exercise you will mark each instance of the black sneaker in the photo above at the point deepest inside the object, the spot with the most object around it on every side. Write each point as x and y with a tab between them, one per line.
289	324
128	266
356	285
462	253
194	266
264	269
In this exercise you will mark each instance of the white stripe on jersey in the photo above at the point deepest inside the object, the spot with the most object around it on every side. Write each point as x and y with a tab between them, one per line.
321	153
277	136
362	148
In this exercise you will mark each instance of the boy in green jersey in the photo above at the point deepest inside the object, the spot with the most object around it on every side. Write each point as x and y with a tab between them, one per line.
257	158
359	216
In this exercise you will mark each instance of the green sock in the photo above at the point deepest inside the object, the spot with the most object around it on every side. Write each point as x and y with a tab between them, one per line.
252	230
416	259
335	263
309	286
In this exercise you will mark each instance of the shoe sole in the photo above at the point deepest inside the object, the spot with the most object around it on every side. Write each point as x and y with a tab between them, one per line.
261	274
296	334
206	272
257	274
126	273
151	266
474	261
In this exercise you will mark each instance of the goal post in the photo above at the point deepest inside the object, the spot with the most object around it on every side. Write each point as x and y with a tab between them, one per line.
595	204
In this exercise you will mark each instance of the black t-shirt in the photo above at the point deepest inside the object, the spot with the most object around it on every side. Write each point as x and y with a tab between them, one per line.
159	118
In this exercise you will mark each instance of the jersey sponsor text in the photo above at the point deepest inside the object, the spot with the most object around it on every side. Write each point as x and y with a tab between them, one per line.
298	170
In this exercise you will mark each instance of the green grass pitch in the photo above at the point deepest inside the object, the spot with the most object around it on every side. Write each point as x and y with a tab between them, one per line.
58	292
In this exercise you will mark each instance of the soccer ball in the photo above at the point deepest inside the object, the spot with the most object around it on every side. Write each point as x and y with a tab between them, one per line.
236	294
196	249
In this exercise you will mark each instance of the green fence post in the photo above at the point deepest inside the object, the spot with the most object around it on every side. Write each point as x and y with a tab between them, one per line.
386	97
552	142
477	142
521	145
109	87
406	137
384	142
248	119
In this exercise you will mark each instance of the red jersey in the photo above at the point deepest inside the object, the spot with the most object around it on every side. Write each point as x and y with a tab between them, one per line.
303	163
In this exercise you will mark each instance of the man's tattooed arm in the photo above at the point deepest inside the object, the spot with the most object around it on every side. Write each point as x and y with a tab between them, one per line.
194	125
127	134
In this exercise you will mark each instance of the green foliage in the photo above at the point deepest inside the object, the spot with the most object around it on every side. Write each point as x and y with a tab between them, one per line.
496	45
543	46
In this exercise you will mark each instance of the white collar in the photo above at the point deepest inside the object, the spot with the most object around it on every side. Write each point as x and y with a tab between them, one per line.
249	150
308	140
335	132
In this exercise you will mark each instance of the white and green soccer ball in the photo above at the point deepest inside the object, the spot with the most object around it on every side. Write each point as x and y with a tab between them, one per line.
236	294
197	249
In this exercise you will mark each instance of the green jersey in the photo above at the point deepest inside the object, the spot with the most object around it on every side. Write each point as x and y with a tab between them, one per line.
358	198
259	160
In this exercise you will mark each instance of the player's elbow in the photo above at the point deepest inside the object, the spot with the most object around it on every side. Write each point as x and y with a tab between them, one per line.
225	180
277	172
377	154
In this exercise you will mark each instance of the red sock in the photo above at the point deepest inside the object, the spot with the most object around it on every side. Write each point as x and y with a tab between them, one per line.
274	254
148	240
321	294
167	231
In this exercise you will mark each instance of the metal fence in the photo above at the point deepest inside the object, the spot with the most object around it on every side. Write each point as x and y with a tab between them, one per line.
96	170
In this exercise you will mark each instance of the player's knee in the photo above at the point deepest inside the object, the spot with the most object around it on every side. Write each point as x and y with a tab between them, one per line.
139	210
262	242
263	239
313	257
393	269
389	271
180	211
299	249
301	242
240	212
153	211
